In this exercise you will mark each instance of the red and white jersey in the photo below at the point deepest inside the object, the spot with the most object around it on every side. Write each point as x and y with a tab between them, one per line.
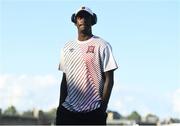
84	62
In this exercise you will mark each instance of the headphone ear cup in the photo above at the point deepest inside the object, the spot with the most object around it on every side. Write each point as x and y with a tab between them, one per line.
94	21
73	18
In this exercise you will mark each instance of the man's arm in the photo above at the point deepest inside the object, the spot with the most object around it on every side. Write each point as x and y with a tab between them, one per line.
108	85
63	94
63	90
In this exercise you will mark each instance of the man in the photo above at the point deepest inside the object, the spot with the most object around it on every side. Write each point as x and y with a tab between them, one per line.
87	64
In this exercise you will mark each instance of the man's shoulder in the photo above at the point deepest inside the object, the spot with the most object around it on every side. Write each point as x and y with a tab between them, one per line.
101	41
69	43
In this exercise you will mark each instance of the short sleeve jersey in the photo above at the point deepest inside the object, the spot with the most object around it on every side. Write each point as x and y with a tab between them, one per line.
84	62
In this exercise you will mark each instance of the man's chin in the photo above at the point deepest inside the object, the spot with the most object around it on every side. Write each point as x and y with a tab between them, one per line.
83	27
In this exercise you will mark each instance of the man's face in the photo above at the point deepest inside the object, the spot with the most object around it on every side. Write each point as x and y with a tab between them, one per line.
83	21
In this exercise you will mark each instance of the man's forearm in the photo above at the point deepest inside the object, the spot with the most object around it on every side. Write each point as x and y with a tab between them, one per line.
108	85
63	90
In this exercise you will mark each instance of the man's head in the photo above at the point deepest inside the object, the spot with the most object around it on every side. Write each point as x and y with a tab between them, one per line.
84	12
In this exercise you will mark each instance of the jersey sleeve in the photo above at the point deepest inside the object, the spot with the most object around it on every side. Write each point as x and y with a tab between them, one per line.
109	62
62	64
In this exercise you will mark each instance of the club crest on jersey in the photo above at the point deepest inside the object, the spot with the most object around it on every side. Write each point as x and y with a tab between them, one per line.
90	49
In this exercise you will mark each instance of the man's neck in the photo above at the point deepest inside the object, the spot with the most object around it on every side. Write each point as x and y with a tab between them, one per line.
84	37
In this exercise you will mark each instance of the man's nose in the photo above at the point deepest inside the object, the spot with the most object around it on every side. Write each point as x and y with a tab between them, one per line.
84	19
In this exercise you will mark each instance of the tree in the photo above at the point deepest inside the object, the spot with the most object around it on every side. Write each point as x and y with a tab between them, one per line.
11	111
47	118
0	111
28	113
52	113
134	116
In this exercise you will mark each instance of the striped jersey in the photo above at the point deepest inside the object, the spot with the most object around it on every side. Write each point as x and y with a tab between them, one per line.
84	62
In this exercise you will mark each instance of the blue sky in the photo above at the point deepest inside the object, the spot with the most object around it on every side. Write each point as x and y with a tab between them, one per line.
144	35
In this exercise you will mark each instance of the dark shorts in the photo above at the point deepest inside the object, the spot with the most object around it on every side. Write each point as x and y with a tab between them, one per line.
95	117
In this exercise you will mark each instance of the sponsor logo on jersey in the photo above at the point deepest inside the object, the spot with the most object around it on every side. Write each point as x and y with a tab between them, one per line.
71	50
